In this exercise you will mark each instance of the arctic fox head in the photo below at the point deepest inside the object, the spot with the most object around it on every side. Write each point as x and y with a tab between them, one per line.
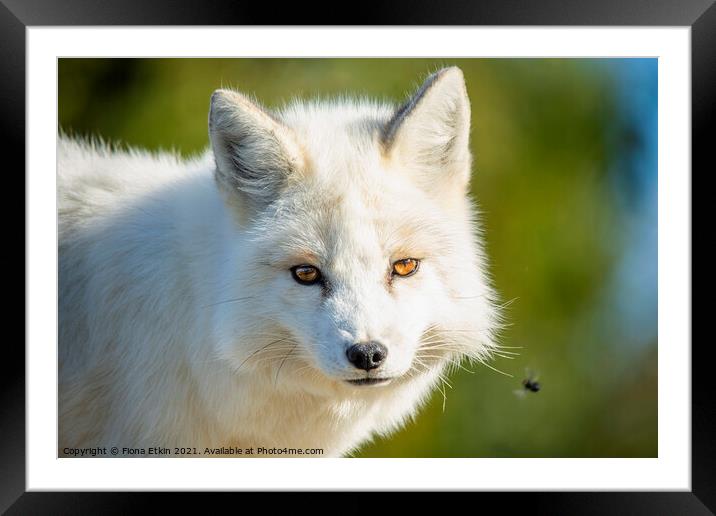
355	258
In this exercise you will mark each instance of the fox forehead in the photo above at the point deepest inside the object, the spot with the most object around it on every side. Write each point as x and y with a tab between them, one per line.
321	122
340	140
331	229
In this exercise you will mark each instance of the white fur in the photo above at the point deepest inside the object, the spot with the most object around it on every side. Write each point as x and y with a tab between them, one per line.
180	322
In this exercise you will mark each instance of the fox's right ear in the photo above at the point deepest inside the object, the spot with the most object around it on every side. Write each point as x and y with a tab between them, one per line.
430	132
255	153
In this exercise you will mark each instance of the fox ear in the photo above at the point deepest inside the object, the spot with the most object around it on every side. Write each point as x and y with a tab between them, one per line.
255	153
430	132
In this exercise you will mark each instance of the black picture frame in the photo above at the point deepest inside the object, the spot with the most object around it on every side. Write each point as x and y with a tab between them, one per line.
17	15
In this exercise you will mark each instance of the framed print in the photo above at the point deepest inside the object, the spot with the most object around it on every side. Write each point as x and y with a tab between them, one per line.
453	255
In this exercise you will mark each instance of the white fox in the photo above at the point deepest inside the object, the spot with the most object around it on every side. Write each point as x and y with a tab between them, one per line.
304	285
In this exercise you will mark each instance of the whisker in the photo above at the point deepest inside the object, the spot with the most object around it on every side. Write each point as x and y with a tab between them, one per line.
503	356
457	364
444	382
508	303
235	300
301	369
442	390
499	350
440	345
257	351
283	362
480	360
451	330
284	357
431	356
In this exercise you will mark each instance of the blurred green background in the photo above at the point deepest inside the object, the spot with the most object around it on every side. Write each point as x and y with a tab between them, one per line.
566	177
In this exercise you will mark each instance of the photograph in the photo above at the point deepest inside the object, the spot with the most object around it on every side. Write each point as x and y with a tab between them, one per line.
357	257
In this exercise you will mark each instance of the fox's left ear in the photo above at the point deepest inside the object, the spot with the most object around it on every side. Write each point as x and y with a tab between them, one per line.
430	132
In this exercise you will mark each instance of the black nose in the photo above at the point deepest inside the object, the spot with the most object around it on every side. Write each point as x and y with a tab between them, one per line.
367	355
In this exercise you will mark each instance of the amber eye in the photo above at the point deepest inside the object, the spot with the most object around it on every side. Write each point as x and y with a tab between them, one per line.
306	274
406	267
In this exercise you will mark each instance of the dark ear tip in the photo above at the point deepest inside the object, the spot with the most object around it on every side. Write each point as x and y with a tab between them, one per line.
219	97
222	102
214	102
